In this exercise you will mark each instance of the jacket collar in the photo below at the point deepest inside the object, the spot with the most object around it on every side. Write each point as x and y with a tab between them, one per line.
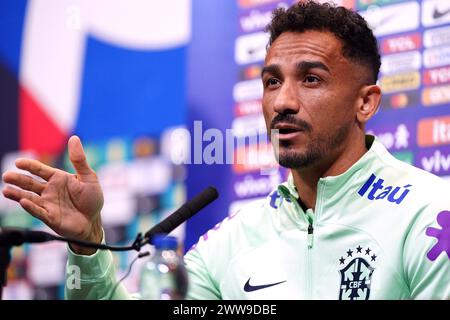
341	182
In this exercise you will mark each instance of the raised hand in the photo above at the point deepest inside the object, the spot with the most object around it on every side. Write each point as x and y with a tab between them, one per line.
69	204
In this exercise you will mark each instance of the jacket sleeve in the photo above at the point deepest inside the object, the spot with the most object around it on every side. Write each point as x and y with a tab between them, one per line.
427	254
93	277
201	284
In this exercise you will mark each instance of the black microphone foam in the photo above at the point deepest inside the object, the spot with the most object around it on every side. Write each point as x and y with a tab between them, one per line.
17	236
186	211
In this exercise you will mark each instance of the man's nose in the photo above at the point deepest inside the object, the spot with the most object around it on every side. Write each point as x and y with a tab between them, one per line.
287	100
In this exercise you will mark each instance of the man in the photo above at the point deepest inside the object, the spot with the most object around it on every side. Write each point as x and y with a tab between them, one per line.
351	222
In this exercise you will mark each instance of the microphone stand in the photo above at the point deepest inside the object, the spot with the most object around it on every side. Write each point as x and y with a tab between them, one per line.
5	258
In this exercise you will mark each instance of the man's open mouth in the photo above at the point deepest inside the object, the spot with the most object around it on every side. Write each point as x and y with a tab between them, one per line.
286	131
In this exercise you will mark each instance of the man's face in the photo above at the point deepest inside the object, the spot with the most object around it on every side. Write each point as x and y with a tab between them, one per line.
310	96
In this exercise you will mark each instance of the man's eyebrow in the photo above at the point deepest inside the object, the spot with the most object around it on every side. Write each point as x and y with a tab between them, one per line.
304	66
273	69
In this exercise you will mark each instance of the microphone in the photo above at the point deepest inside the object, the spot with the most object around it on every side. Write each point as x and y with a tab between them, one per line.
17	236
186	211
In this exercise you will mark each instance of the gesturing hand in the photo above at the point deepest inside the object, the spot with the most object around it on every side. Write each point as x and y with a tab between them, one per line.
69	204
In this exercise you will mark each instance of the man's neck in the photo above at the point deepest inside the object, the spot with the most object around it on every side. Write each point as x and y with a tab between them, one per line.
306	179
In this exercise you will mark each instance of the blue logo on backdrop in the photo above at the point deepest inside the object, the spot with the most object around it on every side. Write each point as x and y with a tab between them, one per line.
390	192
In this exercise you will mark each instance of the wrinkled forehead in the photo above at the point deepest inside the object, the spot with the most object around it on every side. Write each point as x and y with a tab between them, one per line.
317	45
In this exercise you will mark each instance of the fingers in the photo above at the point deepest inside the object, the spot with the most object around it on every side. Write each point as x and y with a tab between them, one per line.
78	157
23	181
29	201
35	167
34	210
17	195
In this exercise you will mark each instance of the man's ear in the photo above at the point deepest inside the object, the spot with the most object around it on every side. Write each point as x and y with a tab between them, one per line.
368	104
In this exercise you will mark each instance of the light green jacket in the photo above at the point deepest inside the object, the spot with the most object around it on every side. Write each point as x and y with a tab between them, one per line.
379	231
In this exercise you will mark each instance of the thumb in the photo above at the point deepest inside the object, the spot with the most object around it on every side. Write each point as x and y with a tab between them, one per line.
78	157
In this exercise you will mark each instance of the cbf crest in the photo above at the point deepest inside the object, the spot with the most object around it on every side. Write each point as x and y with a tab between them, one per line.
356	273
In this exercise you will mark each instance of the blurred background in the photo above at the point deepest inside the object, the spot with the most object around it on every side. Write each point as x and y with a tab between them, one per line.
134	78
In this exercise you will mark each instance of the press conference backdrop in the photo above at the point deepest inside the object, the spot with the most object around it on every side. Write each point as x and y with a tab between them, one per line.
127	77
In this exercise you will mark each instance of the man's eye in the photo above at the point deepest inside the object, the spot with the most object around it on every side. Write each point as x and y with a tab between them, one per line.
272	82
311	79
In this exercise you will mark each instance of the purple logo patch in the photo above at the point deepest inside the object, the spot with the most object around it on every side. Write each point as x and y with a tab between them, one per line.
442	235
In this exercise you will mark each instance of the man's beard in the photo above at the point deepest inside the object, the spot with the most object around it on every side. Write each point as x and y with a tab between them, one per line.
317	149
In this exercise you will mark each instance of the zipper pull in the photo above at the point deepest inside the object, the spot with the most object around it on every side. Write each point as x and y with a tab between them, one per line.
310	236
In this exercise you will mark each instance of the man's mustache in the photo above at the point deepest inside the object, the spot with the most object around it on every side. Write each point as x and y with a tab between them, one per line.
291	119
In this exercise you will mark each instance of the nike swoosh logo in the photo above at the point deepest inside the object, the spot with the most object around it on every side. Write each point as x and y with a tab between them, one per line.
249	288
384	20
255	49
438	14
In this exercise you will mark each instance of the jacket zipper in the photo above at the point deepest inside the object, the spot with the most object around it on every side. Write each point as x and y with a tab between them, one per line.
310	238
309	219
310	235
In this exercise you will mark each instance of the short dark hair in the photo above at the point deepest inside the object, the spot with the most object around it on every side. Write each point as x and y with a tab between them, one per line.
358	42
